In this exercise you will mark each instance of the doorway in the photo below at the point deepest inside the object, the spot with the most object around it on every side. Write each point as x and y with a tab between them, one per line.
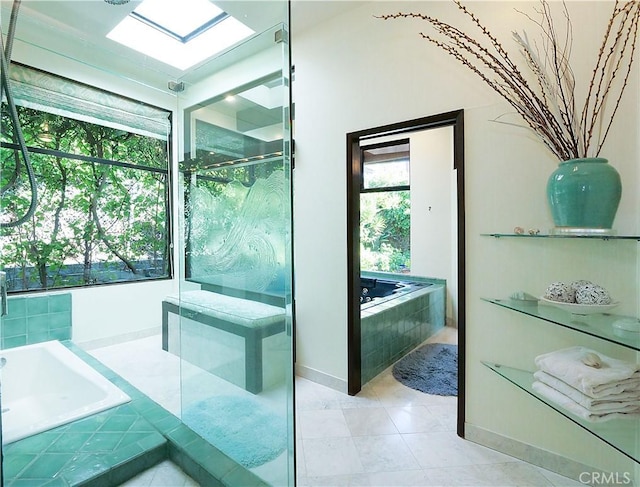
355	143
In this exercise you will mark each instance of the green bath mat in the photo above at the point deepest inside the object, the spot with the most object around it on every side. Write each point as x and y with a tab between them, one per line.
239	426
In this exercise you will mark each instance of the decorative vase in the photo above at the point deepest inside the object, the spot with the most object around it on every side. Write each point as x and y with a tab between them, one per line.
584	194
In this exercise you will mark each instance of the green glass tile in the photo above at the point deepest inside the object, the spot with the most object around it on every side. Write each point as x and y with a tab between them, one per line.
104	442
210	458
118	423
145	406
141	425
167	423
85	468
14	463
13	342
152	440
37	305
37	337
60	333
132	438
57	482
47	465
33	444
131	453
241	476
17	307
181	435
69	442
128	469
60	302
37	324
193	469
14	326
29	482
59	320
126	410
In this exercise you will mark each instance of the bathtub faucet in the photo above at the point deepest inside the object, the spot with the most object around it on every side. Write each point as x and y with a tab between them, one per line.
3	293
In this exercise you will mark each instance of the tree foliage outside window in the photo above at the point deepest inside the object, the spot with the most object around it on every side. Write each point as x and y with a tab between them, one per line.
102	209
385	226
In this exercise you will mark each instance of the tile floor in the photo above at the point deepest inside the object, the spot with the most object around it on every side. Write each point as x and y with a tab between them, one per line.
387	436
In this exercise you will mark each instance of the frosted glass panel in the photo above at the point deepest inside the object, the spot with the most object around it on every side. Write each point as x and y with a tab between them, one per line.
238	230
235	330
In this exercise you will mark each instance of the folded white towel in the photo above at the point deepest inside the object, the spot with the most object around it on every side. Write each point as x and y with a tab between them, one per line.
567	365
570	405
602	403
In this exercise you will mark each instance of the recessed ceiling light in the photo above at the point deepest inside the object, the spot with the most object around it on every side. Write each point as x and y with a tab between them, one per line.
180	34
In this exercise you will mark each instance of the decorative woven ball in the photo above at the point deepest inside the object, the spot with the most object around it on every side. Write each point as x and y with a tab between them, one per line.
592	294
559	291
575	285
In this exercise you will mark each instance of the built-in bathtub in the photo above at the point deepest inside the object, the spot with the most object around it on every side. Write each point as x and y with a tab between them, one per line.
375	291
397	313
46	385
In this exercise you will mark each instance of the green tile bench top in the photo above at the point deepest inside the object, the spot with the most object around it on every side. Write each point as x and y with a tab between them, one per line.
235	310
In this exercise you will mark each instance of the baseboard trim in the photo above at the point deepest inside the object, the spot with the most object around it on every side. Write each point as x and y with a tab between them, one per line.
321	378
528	453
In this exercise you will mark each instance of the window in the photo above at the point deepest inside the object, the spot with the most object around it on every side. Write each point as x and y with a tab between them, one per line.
102	208
180	34
385	208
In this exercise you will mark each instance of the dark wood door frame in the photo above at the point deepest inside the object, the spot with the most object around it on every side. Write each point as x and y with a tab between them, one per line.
454	119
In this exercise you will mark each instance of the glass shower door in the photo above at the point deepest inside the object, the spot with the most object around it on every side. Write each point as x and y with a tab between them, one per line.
235	330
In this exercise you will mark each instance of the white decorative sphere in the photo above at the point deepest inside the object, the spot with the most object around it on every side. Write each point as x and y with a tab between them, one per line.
559	291
575	285
592	294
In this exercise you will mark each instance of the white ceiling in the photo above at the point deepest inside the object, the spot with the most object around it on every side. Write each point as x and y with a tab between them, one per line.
78	29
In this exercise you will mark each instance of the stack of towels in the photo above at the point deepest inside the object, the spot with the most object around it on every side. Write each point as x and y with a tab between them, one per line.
589	384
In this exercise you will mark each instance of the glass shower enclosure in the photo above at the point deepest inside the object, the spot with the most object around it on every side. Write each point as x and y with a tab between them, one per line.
226	201
234	333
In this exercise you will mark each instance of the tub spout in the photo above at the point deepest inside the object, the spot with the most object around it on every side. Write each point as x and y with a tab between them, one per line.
3	293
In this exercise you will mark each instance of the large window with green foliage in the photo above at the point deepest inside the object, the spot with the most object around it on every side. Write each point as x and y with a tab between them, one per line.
385	208
102	208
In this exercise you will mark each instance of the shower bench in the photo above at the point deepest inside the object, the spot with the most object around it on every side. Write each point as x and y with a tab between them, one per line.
251	320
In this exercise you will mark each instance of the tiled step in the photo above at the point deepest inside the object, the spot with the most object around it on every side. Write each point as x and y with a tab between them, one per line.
100	450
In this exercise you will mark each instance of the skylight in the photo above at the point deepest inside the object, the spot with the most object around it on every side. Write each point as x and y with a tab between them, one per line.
180	34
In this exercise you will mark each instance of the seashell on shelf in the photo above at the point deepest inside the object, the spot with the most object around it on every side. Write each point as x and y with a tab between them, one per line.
592	360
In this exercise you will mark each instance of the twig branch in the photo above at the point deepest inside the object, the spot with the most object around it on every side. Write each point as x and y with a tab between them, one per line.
548	104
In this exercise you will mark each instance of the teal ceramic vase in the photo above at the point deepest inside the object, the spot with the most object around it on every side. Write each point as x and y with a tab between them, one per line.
584	194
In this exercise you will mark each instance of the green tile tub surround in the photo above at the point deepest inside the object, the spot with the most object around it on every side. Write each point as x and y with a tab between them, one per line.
108	448
392	329
200	460
36	318
104	449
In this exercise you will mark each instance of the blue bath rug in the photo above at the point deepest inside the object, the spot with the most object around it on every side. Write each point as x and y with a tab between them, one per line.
432	368
239	426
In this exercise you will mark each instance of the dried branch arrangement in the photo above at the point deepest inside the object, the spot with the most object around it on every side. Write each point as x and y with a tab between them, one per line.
542	91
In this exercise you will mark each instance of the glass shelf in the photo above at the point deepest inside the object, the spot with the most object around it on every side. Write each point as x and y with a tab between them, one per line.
597	325
596	236
621	434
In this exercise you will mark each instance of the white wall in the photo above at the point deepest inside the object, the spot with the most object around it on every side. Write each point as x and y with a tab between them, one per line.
355	72
433	217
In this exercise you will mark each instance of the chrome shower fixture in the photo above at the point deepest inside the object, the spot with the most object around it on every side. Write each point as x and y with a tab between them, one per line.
116	2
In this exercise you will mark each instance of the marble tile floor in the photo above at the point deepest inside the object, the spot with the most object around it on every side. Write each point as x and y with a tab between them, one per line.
387	436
